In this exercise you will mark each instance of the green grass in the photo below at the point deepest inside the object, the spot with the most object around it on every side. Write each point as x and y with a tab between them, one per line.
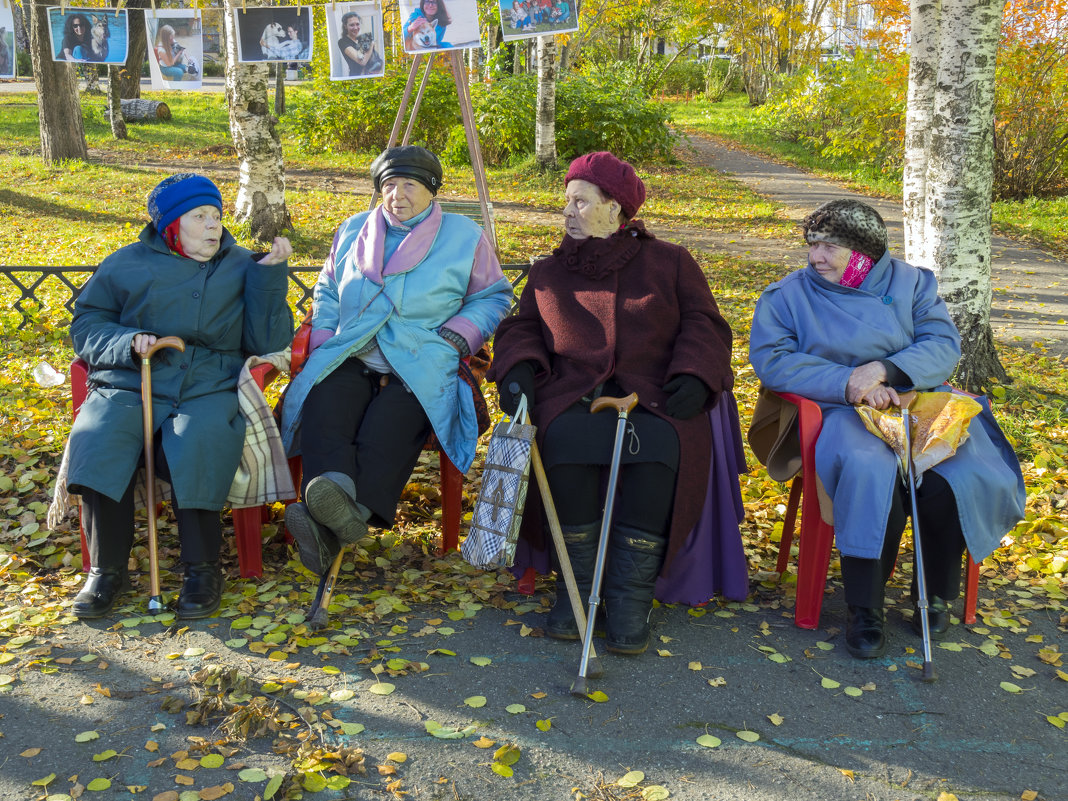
1042	221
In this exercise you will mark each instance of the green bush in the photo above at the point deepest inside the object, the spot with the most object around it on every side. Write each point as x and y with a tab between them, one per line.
684	77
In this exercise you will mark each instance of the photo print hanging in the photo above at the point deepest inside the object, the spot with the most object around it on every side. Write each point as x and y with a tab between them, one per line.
276	34
7	41
432	25
524	19
354	35
176	48
99	35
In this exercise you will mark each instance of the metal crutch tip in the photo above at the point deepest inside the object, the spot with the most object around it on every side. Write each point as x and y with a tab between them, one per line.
156	605
580	688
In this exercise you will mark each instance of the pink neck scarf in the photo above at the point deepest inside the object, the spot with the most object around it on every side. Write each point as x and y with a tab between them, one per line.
857	270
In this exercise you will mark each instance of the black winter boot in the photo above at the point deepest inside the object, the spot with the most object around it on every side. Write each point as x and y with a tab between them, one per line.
634	560
581	544
102	588
201	591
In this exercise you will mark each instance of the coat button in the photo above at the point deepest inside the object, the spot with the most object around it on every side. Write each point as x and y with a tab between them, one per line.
887	300
196	294
184	366
654	404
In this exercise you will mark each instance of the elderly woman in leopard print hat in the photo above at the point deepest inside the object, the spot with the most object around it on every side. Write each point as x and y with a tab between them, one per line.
856	326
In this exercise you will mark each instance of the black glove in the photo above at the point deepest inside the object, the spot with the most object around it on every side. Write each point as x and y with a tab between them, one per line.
688	394
516	382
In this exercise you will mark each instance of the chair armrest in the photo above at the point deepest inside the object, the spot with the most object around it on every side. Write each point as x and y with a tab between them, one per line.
300	349
263	375
79	385
810	421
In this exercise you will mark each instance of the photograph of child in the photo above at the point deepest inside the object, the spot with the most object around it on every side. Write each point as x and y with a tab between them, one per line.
354	31
7	42
88	35
430	26
176	48
274	34
523	19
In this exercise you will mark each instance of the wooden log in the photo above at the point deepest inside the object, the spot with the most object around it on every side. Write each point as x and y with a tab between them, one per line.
139	110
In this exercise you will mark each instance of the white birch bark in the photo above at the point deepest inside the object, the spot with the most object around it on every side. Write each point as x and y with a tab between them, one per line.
545	123
923	66
261	201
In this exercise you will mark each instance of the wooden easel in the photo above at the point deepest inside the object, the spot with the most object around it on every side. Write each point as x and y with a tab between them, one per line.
459	76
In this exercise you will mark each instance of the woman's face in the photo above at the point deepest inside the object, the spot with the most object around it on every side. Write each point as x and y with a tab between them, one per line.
404	197
829	260
352	28
588	213
292	32
430	8
80	27
200	232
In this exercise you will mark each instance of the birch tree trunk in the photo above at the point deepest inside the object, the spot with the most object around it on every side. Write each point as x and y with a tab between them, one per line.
118	124
59	112
923	67
958	176
545	124
129	78
261	200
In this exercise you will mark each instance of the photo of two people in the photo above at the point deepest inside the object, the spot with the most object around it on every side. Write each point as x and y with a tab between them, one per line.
97	35
274	34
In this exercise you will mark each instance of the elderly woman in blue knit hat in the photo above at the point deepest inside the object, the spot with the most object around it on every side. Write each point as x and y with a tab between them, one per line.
407	291
185	277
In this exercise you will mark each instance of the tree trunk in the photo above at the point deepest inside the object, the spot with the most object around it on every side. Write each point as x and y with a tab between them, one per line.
261	201
139	110
545	125
923	67
279	89
958	178
59	112
118	124
129	78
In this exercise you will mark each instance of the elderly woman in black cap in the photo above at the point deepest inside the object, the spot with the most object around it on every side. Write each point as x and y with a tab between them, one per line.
407	291
856	326
185	277
613	311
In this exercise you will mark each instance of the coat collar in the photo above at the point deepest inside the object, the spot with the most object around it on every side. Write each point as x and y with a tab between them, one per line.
874	283
154	240
370	246
595	257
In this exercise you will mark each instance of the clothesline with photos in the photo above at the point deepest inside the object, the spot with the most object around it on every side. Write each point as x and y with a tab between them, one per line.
282	34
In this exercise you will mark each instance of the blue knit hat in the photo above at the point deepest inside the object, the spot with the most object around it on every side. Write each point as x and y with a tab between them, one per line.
179	193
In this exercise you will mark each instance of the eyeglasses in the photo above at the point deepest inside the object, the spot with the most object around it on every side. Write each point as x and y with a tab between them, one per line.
77	25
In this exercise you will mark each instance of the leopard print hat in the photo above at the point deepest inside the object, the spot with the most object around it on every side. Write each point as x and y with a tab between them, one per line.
848	223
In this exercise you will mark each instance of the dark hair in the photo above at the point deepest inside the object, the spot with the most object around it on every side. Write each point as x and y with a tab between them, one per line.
441	18
70	38
345	21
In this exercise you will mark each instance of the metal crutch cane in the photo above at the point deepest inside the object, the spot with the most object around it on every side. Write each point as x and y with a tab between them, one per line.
921	581
155	601
594	669
623	407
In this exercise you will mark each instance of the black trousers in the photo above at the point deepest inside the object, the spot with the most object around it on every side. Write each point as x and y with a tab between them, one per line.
367	426
109	524
941	539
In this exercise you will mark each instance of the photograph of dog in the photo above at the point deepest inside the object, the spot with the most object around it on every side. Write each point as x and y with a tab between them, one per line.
354	31
282	33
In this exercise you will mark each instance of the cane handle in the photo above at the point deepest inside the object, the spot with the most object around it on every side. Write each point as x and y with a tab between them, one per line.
163	342
621	405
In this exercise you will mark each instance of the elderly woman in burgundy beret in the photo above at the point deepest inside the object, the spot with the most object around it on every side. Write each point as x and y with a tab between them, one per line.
613	311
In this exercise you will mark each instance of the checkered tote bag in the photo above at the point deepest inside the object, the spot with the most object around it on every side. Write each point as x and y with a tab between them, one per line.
499	509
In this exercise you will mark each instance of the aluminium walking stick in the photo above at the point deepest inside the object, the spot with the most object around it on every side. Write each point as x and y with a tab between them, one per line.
155	601
921	581
622	407
594	669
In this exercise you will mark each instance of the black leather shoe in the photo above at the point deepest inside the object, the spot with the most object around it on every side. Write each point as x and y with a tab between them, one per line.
201	591
316	545
102	588
864	632
937	617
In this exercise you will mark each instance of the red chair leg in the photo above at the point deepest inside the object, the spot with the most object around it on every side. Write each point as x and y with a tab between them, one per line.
87	563
525	585
971	589
452	484
247	524
789	524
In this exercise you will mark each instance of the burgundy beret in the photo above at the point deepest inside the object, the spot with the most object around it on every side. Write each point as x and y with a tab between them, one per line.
615	177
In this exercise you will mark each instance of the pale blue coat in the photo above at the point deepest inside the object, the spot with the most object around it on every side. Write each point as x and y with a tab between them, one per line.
443	274
809	334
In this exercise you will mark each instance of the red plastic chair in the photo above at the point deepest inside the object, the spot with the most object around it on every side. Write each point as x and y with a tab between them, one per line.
817	536
247	522
452	480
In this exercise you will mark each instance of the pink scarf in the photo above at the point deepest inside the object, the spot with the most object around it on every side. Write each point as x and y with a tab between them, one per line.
857	270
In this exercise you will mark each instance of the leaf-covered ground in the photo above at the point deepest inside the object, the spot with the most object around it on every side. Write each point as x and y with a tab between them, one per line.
397	593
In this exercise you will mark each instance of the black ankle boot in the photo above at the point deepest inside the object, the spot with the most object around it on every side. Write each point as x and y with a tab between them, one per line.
201	591
937	617
634	560
864	632
102	588
581	542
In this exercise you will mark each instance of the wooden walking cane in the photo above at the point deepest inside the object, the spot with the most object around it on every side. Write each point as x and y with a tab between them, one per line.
623	407
155	601
317	612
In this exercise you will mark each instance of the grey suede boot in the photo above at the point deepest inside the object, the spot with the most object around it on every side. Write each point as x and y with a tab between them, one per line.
331	500
581	542
634	560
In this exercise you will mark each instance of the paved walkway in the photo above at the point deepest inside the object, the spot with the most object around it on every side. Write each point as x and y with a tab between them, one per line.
1030	289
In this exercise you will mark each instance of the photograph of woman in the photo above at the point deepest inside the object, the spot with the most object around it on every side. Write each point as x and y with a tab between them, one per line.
75	36
426	22
177	48
87	35
356	31
97	47
274	34
7	42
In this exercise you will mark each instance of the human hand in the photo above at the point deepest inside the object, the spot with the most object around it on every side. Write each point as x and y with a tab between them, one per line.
687	396
518	381
882	397
863	380
280	251
142	343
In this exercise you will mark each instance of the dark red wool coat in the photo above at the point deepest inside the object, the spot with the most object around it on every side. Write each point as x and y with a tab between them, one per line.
628	307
